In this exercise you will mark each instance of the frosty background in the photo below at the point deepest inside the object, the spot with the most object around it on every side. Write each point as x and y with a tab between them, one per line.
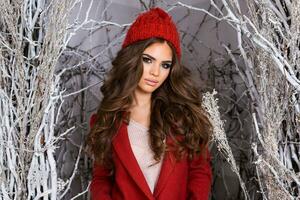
244	55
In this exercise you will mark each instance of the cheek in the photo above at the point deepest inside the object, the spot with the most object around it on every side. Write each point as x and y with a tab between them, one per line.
166	74
144	74
146	70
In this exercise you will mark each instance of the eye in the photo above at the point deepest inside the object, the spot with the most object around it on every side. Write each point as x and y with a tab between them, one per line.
166	65
146	59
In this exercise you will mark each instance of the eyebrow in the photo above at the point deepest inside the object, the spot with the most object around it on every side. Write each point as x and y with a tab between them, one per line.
166	61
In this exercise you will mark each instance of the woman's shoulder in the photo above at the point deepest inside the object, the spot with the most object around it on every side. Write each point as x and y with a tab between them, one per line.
93	119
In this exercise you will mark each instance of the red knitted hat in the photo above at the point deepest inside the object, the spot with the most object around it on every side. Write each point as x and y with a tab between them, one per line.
153	23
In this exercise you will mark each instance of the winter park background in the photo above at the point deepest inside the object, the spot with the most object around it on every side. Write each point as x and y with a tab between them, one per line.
244	55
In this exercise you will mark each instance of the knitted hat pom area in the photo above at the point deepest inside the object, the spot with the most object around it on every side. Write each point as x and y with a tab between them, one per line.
153	23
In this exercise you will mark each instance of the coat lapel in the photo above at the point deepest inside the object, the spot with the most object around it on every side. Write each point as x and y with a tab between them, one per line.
124	152
165	172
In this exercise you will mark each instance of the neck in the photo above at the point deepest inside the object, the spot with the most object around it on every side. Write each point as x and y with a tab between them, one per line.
141	99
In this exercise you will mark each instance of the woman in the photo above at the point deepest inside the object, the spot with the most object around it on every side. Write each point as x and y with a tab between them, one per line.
149	137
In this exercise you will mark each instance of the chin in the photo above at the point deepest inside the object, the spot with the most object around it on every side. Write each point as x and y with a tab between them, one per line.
148	90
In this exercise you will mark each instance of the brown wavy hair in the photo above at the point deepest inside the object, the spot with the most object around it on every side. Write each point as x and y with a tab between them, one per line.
176	110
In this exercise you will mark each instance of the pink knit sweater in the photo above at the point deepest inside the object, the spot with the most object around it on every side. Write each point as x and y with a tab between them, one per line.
139	140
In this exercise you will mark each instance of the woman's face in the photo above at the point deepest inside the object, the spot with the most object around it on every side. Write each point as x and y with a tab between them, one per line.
157	62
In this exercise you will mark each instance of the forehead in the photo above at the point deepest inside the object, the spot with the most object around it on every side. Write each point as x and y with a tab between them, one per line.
160	51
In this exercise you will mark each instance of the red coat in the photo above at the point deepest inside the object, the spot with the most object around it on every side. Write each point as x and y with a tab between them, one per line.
177	180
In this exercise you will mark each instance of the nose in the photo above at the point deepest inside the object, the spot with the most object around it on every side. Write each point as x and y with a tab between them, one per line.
155	69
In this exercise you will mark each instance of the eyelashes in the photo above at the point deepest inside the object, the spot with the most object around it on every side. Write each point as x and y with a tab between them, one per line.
148	60
166	66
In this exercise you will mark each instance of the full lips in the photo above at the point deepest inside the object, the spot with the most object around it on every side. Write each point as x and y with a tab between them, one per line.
150	82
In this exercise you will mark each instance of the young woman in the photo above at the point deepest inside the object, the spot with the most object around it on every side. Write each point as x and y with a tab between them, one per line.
149	137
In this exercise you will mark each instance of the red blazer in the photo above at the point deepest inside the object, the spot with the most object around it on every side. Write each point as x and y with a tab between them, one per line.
177	180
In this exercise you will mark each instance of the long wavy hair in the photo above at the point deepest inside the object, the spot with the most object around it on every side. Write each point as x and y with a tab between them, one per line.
176	110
